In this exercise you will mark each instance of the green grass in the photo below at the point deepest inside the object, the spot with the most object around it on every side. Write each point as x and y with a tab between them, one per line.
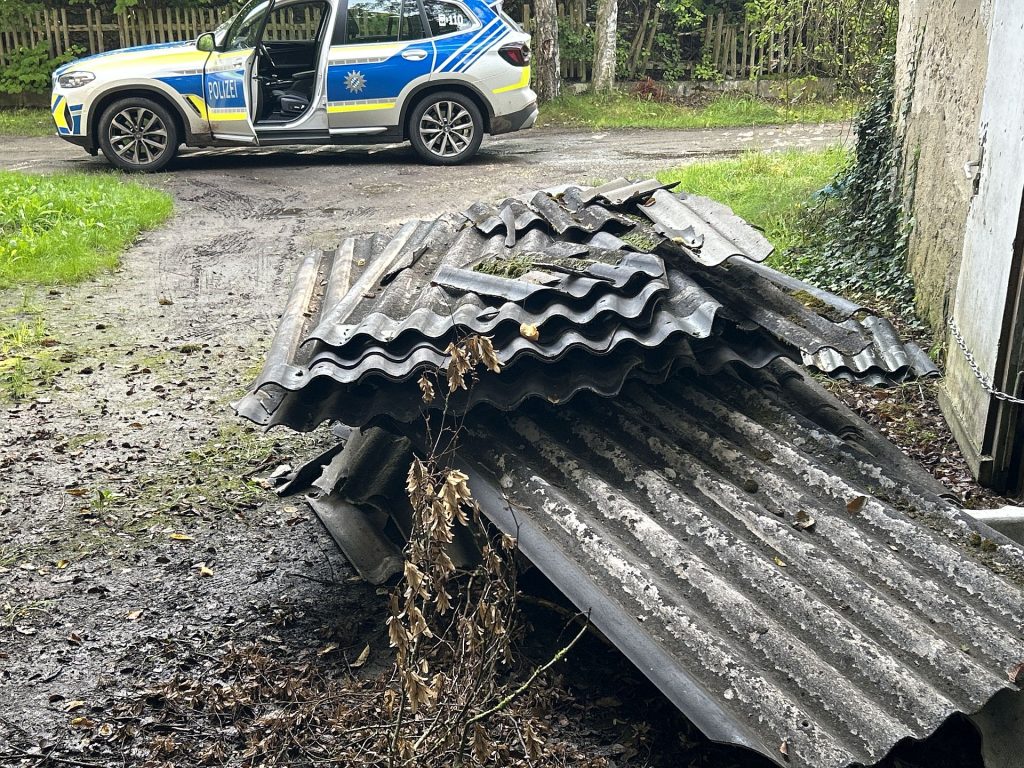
768	189
70	227
26	122
628	111
26	360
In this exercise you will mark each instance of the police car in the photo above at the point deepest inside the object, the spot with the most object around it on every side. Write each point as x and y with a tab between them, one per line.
438	73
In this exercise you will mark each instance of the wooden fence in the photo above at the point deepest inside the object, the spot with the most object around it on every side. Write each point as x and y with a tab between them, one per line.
96	31
737	51
734	50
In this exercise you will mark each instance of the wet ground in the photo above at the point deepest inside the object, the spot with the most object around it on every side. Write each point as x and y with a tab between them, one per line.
137	539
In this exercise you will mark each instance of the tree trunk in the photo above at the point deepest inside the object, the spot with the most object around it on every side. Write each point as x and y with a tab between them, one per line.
604	45
546	65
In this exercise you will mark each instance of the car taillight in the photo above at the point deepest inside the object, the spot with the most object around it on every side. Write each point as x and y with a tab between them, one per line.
516	54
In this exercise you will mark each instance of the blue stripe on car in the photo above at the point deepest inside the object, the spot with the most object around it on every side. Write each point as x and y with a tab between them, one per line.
469	61
470	46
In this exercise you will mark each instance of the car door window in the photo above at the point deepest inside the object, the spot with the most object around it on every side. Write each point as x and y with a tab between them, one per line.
246	29
373	21
295	23
412	21
384	21
445	18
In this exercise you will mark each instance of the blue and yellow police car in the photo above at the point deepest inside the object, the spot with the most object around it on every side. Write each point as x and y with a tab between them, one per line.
437	73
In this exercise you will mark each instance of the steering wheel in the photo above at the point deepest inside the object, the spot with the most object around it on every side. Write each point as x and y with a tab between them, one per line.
264	52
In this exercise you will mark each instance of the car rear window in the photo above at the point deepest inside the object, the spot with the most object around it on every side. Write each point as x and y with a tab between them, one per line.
381	21
445	18
506	18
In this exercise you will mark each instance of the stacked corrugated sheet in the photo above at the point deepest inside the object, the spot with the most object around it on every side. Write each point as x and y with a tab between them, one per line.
788	578
625	280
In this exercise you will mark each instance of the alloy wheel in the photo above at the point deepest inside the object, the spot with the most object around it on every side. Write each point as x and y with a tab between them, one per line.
138	135
446	128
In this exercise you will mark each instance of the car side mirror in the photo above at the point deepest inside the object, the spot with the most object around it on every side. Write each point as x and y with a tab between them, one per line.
205	42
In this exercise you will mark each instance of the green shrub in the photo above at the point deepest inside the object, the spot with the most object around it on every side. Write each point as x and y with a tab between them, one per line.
854	234
30	68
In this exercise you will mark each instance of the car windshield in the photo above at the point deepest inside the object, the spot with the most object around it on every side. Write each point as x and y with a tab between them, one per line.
222	29
253	8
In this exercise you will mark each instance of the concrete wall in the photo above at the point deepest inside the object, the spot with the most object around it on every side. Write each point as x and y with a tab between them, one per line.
941	59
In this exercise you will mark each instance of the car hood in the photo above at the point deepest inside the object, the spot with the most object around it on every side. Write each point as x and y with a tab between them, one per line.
177	52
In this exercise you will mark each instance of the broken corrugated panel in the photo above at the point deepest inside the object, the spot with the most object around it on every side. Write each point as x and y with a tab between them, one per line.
705	233
778	569
886	360
602	289
887	353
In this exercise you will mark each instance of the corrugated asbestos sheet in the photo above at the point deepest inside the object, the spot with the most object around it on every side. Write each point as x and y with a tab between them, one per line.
788	578
782	572
619	281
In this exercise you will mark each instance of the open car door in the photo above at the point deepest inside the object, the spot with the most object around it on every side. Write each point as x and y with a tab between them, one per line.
230	96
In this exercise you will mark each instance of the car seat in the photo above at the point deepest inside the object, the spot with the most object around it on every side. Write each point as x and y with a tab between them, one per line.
294	100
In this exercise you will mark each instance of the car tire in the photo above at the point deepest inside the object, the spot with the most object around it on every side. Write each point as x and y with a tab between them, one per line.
138	134
446	128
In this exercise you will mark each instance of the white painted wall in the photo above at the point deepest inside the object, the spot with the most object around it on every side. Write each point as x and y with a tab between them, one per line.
982	289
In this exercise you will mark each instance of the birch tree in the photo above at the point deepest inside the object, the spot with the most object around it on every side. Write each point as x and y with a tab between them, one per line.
546	64
604	45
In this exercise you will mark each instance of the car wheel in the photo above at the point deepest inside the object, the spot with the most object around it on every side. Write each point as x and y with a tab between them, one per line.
138	134
446	128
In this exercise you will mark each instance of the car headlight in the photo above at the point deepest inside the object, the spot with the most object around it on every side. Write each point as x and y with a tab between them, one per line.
75	79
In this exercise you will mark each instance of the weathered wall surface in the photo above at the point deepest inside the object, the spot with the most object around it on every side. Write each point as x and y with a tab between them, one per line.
941	59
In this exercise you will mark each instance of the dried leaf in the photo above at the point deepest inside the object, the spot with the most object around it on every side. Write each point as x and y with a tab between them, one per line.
327	649
533	744
784	749
71	706
481	744
780	562
803	521
426	389
62	564
82	722
856	505
181	537
362	658
1015	672
205	570
529	331
134	615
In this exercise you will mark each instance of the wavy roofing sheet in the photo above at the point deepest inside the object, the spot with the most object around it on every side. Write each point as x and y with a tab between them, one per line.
788	578
783	573
606	285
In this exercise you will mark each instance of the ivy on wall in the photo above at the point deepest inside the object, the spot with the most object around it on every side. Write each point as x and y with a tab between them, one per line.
855	234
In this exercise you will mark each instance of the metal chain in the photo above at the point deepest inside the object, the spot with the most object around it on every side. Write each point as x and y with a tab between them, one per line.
985	383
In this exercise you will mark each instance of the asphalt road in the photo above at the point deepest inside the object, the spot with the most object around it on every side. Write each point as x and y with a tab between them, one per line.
530	158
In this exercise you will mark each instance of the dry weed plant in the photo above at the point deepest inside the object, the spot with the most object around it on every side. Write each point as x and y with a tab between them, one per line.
452	632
